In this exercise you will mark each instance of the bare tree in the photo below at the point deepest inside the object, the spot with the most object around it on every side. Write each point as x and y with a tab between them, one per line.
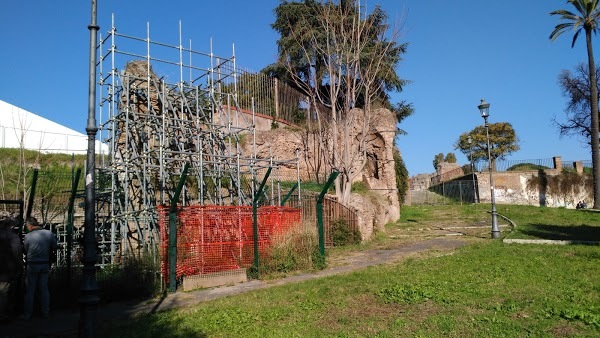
576	88
21	127
353	53
585	18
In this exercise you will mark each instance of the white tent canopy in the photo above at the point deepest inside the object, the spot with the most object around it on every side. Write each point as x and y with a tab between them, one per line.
22	129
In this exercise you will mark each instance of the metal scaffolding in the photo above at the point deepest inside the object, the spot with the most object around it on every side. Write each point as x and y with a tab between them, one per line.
154	124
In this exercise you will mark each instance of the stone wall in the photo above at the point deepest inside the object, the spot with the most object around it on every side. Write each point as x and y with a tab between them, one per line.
242	118
527	187
523	188
380	204
535	187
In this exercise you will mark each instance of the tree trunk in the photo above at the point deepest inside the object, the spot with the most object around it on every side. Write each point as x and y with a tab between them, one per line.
595	141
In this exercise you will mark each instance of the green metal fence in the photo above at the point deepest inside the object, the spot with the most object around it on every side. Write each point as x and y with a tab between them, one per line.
453	192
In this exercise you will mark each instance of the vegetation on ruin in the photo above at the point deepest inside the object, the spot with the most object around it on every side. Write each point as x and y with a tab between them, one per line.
526	166
401	176
564	186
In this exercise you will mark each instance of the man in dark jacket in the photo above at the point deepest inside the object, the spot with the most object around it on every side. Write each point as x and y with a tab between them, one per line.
39	246
11	266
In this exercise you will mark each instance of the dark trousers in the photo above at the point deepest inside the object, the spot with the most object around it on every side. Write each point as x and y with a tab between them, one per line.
8	296
36	280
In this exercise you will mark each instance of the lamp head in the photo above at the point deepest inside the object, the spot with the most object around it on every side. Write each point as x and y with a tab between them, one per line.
484	108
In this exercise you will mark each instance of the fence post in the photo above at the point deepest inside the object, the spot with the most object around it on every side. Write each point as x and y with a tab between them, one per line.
276	96
287	196
332	178
444	199
173	230
32	193
21	220
75	183
255	217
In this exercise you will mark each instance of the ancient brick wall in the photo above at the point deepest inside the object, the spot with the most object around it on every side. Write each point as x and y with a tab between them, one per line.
525	188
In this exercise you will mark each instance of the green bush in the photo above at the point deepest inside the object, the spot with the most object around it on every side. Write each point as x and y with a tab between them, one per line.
318	260
135	278
341	234
401	176
307	186
526	166
291	252
359	187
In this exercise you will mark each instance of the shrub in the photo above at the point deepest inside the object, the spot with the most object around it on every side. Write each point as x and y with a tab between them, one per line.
526	166
341	234
292	251
318	260
401	176
359	187
134	278
306	185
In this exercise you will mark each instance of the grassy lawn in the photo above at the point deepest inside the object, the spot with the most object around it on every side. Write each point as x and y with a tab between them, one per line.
553	223
487	289
531	222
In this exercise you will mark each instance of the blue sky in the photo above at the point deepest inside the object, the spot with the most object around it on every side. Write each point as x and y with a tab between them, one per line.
459	52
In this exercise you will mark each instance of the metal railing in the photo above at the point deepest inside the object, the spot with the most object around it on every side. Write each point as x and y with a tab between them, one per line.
266	95
508	165
585	164
515	165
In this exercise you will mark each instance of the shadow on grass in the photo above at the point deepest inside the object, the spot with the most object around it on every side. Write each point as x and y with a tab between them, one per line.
151	325
568	233
115	285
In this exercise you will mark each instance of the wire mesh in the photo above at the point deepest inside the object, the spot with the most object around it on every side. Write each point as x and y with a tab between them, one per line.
50	205
333	211
212	239
52	194
445	193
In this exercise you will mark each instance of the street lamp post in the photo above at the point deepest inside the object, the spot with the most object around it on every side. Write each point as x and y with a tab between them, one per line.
89	299
475	200
484	108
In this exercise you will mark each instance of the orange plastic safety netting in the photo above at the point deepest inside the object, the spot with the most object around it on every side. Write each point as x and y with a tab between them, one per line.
220	238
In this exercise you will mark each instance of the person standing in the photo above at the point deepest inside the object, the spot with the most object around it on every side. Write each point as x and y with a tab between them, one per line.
11	267
39	244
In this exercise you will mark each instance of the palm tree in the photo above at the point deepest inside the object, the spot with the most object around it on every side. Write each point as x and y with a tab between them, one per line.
586	18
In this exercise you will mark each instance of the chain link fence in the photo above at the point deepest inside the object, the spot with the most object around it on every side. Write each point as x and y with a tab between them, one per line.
453	192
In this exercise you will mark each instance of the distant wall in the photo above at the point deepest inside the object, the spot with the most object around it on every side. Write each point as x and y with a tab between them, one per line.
527	187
